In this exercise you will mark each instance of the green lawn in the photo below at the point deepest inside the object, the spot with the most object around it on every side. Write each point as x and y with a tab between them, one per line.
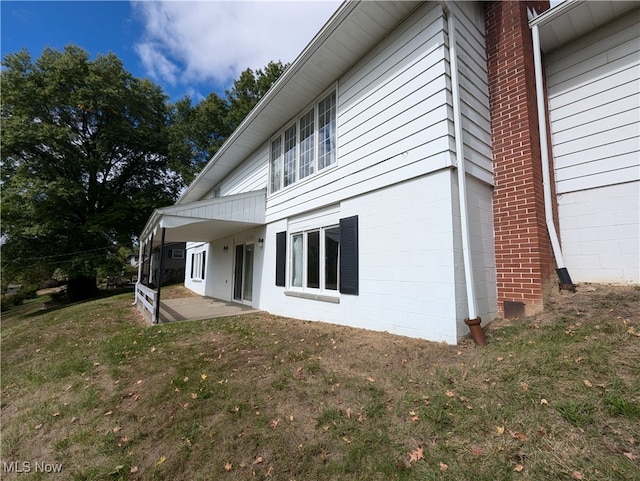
92	388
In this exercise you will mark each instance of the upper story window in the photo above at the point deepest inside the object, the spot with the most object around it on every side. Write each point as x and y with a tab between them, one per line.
304	147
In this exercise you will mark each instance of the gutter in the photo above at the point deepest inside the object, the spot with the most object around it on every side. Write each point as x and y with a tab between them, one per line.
563	273
473	321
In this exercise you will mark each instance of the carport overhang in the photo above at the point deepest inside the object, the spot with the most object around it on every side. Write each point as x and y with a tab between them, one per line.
206	220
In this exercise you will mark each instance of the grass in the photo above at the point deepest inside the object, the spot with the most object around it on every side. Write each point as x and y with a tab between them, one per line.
551	397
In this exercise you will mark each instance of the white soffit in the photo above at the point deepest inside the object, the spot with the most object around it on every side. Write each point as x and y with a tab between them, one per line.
574	18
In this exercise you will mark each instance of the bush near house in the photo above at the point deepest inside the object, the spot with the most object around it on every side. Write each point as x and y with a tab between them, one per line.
92	387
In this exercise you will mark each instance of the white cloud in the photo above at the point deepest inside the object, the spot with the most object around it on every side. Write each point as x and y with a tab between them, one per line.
187	42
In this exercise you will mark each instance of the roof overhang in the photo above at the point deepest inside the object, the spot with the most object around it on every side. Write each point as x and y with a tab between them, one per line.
350	33
207	220
574	18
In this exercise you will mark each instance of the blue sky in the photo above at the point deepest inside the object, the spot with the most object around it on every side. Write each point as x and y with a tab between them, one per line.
187	47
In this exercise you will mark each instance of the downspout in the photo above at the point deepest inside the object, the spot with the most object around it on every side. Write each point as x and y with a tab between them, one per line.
563	273
156	317
473	321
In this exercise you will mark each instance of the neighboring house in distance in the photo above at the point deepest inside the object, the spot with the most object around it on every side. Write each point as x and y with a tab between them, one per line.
392	179
173	264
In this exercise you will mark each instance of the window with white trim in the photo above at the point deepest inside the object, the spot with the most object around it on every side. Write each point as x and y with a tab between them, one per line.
305	147
310	262
315	259
198	265
176	253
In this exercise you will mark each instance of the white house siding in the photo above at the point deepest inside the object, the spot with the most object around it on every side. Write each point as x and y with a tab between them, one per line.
392	119
594	103
474	89
249	176
406	262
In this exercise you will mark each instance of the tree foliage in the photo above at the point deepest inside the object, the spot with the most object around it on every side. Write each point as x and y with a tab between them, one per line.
198	131
84	160
88	151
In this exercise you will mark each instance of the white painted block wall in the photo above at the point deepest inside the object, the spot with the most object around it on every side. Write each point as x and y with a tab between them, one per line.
600	233
406	264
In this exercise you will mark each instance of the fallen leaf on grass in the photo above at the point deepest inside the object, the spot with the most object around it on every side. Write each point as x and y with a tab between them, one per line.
577	475
160	461
416	455
258	460
449	393
544	402
519	436
274	423
630	456
500	430
203	377
518	468
587	383
371	379
228	467
133	470
476	451
443	466
194	395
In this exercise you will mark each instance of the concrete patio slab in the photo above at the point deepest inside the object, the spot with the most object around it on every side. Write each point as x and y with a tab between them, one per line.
195	308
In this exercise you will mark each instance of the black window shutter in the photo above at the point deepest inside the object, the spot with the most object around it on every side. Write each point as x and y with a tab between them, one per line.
203	263
193	259
281	258
349	255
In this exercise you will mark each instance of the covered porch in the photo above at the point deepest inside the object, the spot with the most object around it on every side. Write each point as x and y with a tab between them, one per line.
203	221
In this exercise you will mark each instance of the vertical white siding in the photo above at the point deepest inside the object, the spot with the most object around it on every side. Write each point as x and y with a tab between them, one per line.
594	102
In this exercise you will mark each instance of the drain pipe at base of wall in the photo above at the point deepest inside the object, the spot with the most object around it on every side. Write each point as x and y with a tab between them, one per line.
563	273
473	321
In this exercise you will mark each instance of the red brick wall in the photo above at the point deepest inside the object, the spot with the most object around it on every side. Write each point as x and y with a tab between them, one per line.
524	259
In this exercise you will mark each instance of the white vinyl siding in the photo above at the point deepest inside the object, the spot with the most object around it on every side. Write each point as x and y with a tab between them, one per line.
474	89
392	118
594	104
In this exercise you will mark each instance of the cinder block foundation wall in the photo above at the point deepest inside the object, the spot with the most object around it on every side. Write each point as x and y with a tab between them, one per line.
524	259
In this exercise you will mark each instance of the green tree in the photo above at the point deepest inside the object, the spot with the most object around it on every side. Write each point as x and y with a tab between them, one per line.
84	162
249	89
198	131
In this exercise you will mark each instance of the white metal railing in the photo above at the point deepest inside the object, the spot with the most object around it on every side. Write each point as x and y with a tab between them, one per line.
148	299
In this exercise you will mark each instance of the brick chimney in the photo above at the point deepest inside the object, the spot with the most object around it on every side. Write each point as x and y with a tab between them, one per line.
524	258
